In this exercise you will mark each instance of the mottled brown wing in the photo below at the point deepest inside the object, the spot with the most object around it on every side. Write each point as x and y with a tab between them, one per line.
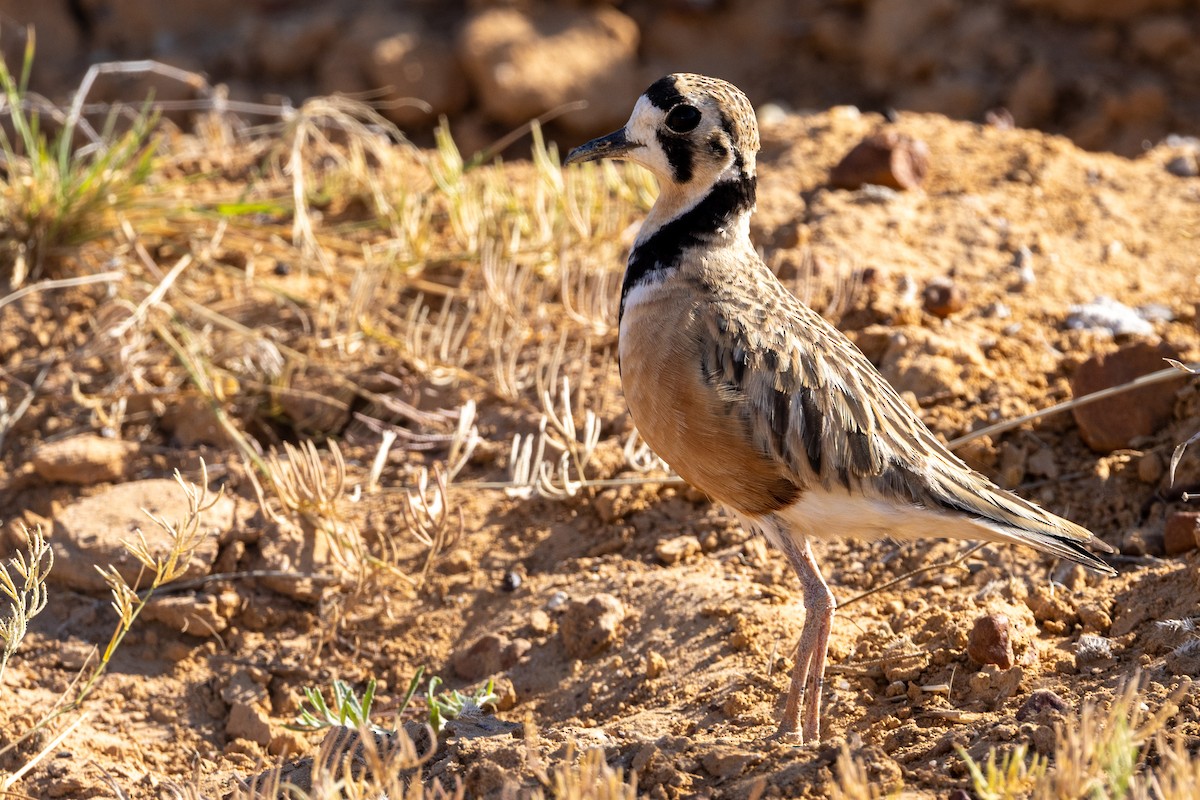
817	405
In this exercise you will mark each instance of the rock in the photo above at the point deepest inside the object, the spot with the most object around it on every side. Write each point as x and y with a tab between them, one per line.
1039	701
672	551
943	297
1044	463
523	65
415	64
195	615
489	654
305	551
246	685
655	664
1182	532
1142	542
249	722
92	532
1114	422
725	762
588	628
1184	166
1095	618
990	643
889	159
1150	468
84	460
1106	314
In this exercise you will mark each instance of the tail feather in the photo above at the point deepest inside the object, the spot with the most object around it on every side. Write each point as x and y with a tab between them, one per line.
1013	519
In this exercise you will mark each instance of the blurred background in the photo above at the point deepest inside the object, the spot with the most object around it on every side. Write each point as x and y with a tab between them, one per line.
1110	74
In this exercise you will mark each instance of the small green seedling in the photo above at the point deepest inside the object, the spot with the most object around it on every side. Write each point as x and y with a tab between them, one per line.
347	709
453	704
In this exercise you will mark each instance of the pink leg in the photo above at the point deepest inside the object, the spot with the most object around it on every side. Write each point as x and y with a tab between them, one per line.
809	671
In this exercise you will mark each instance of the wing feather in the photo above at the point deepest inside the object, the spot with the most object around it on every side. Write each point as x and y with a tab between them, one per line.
820	408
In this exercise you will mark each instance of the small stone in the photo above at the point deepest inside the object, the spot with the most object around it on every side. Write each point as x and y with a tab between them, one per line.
1112	423
249	722
1182	532
511	581
943	297
990	641
540	622
1185	166
1095	618
488	655
672	551
889	159
725	763
1038	702
1142	542
93	532
1044	463
655	664
83	460
588	628
557	600
1150	468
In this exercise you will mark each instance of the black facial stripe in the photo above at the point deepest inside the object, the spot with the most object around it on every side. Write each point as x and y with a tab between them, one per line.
663	94
679	155
727	126
664	249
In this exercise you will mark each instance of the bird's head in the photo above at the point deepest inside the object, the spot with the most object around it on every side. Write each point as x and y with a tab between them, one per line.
689	130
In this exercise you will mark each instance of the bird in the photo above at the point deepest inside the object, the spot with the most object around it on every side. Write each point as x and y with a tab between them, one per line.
759	402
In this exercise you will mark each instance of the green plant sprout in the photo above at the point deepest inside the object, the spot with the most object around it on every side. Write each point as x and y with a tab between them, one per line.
452	704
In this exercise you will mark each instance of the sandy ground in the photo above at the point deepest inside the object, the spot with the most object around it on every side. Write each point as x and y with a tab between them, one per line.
688	689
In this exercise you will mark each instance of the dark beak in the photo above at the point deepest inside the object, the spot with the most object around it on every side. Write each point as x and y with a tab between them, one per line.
615	145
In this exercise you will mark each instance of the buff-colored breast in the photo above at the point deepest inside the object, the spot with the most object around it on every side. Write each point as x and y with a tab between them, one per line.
703	436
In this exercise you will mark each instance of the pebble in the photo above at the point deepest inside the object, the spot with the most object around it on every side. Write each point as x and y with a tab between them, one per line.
990	641
83	460
511	582
1114	422
889	159
557	600
489	654
1182	532
672	551
1106	314
587	628
249	722
1184	166
92	532
655	664
943	297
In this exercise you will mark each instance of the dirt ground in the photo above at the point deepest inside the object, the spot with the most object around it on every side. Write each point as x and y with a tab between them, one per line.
686	687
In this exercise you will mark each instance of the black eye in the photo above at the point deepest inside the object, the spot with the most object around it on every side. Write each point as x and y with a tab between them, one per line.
683	118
